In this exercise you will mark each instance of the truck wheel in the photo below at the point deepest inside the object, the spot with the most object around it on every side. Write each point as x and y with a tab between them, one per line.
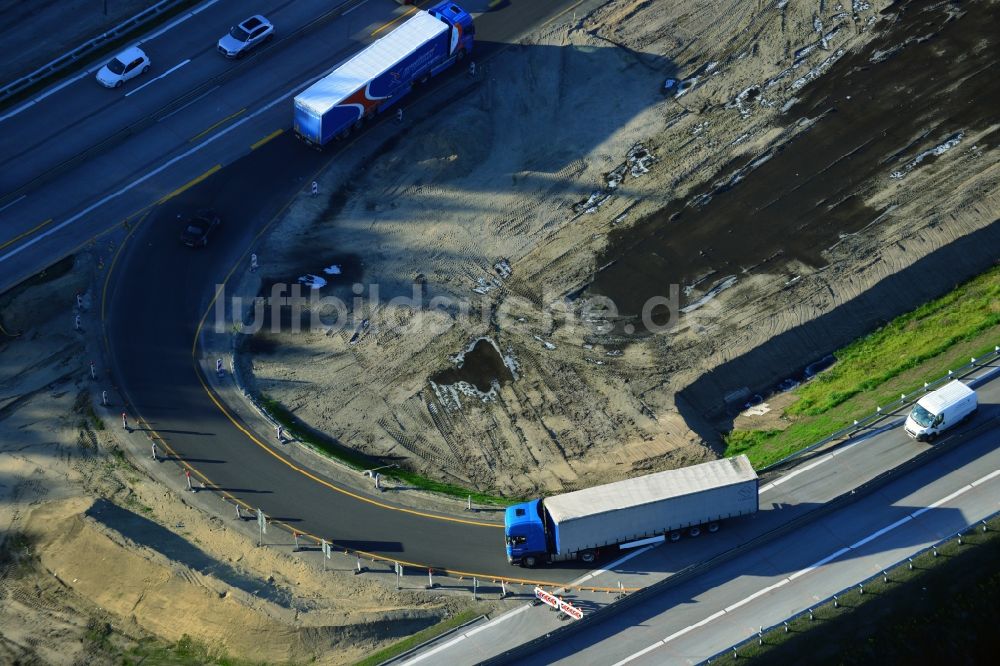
588	556
694	531
529	561
675	536
713	527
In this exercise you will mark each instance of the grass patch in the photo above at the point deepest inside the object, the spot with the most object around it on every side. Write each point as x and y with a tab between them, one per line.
944	611
898	358
418	638
359	461
186	651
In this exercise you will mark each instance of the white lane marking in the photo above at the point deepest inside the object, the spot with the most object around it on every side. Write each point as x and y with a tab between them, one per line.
811	567
181	108
642	652
27	105
152	81
6	206
56	88
614	565
458	639
829	456
166	165
178	21
363	2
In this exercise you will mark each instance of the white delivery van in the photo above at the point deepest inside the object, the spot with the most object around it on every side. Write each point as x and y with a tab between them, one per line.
940	410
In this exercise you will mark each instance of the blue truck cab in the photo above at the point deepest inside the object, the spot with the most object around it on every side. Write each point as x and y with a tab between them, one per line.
525	534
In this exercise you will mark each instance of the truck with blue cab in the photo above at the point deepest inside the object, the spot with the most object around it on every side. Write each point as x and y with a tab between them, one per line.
630	513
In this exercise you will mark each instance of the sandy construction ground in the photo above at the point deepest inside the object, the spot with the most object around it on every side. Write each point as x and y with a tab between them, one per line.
812	172
96	556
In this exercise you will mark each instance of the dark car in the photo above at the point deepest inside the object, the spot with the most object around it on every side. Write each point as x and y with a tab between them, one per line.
197	229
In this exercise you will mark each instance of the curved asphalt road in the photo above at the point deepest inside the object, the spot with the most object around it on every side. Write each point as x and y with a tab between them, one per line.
157	292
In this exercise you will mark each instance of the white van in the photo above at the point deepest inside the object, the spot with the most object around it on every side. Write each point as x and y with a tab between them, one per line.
940	410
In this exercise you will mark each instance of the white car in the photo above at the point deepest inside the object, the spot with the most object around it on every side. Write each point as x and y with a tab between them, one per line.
241	38
128	64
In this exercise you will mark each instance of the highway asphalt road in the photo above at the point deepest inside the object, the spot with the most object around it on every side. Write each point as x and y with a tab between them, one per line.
83	159
701	617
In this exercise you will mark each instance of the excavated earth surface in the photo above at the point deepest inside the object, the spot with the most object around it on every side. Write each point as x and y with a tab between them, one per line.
814	169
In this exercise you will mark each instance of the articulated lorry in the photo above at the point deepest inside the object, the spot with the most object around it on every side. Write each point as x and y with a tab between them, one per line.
940	410
378	76
630	513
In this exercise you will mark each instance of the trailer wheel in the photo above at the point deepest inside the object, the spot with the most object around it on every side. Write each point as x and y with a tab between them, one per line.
675	536
713	527
588	556
694	531
529	561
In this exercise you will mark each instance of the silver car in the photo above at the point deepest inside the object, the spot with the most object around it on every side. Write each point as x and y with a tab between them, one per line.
243	37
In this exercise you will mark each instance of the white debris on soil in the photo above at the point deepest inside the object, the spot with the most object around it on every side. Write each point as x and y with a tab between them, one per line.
332	270
503	268
716	289
818	70
936	151
312	281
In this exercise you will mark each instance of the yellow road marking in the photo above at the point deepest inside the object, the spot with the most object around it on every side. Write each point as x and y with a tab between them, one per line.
212	127
272	135
268	449
111	269
191	183
408	12
494	3
26	233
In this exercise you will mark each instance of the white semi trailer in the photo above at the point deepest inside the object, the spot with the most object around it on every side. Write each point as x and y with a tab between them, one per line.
623	514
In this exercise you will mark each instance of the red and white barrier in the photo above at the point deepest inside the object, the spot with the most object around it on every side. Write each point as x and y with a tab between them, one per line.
558	604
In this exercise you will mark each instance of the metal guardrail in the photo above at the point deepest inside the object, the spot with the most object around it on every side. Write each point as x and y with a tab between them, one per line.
734	648
73	57
885	411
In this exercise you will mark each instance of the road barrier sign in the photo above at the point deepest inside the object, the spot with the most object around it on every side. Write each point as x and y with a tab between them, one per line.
570	610
558	604
546	598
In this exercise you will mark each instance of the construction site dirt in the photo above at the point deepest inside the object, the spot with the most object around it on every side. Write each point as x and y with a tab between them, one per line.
812	170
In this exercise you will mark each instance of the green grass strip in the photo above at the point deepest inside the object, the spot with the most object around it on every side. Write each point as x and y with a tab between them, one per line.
917	347
420	637
327	446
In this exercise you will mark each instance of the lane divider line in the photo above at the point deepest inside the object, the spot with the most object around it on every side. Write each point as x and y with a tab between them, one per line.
188	185
273	135
214	125
812	567
152	81
406	14
27	233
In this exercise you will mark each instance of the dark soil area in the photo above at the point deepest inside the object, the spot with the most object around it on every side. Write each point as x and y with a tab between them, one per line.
930	77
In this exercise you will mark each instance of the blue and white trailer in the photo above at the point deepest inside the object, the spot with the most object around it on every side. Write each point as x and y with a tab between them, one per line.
378	76
631	513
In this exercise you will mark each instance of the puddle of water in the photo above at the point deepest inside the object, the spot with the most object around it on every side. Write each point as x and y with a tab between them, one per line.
481	367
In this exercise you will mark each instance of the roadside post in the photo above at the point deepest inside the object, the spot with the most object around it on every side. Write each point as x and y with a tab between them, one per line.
325	545
262	525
